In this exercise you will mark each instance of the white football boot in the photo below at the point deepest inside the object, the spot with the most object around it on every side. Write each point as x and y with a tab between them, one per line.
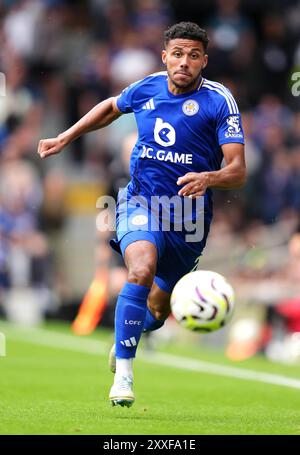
121	392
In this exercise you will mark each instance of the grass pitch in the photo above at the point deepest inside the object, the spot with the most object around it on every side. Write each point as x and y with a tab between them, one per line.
52	382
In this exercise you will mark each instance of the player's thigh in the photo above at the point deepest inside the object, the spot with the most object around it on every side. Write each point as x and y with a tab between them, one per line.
159	302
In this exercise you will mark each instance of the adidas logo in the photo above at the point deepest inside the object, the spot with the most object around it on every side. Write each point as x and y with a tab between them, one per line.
129	343
149	104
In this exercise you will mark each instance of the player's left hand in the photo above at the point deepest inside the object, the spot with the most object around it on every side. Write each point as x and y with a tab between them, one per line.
195	184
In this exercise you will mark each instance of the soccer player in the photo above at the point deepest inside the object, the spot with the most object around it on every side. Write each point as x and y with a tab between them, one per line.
186	126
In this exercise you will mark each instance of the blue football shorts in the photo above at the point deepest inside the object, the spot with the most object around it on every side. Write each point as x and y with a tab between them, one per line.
176	257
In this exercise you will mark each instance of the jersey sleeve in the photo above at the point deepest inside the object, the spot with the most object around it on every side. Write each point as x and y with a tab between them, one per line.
228	119
125	101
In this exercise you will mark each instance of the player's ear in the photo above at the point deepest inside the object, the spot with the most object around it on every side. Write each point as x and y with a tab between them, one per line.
205	61
164	56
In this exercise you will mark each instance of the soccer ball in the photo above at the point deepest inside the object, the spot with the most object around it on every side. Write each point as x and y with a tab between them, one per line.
202	301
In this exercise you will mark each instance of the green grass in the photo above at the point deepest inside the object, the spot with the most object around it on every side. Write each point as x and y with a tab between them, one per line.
55	390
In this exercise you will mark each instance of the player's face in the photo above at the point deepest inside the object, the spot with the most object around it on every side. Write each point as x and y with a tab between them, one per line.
185	60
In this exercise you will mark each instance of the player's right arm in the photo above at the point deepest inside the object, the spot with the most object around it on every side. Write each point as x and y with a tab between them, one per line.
100	116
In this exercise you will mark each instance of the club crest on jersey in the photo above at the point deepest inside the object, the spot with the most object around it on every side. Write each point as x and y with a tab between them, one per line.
190	107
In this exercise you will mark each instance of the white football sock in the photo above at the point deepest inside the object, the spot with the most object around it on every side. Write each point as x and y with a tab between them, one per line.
124	367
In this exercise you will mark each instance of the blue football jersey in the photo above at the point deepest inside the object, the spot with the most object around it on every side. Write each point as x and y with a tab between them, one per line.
177	133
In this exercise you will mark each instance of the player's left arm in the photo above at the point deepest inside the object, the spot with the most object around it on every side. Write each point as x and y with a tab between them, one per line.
231	176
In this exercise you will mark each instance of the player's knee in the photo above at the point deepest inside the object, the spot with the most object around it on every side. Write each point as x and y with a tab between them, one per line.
141	274
162	315
160	311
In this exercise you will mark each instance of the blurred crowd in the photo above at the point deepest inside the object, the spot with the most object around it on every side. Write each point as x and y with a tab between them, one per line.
62	57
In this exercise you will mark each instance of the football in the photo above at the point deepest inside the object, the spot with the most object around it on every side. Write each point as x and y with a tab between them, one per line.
202	301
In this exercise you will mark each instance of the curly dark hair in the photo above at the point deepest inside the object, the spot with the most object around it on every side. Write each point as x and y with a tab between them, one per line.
186	30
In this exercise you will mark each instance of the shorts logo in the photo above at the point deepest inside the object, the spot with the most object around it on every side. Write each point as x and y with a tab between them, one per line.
190	107
139	220
164	133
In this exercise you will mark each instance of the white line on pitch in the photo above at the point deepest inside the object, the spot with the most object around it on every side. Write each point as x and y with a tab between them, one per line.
51	339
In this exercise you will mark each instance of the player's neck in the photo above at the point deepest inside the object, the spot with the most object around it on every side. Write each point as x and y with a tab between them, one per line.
175	90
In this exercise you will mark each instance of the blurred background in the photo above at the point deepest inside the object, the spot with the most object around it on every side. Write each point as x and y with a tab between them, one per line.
62	57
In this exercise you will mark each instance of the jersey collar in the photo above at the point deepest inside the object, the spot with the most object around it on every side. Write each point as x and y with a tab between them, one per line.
184	95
